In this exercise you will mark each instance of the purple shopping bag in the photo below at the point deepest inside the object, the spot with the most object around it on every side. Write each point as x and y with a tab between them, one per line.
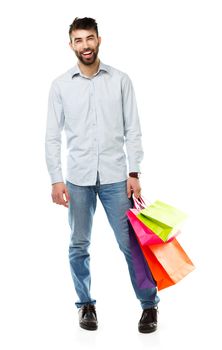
144	278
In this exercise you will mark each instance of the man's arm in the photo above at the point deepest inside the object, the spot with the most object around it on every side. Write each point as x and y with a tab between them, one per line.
55	124
132	133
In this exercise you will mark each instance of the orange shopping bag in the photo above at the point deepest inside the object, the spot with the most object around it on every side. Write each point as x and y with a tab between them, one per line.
168	262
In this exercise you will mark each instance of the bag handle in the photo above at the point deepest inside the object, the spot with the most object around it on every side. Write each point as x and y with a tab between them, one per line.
139	203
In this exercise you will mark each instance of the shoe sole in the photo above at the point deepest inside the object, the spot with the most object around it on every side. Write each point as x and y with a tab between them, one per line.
88	328
143	330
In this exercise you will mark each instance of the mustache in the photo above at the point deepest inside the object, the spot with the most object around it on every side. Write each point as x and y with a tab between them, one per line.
88	49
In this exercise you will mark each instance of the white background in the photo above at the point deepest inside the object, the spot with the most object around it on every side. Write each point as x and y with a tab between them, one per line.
172	52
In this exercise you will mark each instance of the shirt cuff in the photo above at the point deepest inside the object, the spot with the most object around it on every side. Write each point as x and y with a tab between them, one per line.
134	168
56	178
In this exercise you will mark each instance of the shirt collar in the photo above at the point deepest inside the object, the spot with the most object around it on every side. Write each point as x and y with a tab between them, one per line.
76	71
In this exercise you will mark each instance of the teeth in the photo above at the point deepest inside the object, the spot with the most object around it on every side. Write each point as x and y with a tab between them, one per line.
87	53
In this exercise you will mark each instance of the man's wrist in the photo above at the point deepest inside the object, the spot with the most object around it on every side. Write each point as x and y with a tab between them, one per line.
56	183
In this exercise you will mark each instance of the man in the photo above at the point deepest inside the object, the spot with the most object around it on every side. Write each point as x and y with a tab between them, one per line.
95	104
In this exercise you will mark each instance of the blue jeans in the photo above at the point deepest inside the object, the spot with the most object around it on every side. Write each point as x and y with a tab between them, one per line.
82	207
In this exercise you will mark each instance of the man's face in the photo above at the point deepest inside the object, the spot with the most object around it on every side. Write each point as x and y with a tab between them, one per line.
85	44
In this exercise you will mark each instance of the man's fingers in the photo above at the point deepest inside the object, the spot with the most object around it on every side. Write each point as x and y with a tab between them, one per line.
61	199
58	198
129	191
133	185
137	194
67	197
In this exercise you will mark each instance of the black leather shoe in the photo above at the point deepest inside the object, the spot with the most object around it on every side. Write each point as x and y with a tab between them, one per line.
88	317
148	321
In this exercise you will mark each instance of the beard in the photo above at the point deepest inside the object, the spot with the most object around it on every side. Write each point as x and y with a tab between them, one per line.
88	60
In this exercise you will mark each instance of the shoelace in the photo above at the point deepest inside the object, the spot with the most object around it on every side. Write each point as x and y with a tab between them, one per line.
150	315
89	308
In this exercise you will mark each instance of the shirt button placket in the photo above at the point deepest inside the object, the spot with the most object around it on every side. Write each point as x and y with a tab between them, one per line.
94	124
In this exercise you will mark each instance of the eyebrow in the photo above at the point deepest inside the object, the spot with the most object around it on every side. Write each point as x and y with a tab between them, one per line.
89	36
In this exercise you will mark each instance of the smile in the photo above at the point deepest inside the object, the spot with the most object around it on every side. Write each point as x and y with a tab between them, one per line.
87	53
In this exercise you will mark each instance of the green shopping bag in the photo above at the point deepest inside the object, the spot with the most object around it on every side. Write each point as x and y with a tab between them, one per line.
163	219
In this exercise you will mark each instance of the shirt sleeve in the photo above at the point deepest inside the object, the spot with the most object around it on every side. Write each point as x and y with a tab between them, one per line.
132	129
54	127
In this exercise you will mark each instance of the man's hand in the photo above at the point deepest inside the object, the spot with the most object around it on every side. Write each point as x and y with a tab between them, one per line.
133	185
60	194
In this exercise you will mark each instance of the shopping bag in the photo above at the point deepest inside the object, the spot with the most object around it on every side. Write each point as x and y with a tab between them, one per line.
148	234
168	262
163	219
145	234
144	278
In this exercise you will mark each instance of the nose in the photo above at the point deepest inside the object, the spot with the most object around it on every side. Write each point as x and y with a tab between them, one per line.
84	44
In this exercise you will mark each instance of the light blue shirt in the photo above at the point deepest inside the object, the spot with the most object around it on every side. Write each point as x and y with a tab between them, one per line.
99	116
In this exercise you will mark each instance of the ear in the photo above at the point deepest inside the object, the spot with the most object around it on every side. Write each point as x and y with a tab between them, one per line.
70	45
99	39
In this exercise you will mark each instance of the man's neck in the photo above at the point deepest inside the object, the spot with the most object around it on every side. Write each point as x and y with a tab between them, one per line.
88	71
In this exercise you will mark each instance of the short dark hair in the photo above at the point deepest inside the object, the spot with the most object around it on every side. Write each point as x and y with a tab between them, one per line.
83	23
